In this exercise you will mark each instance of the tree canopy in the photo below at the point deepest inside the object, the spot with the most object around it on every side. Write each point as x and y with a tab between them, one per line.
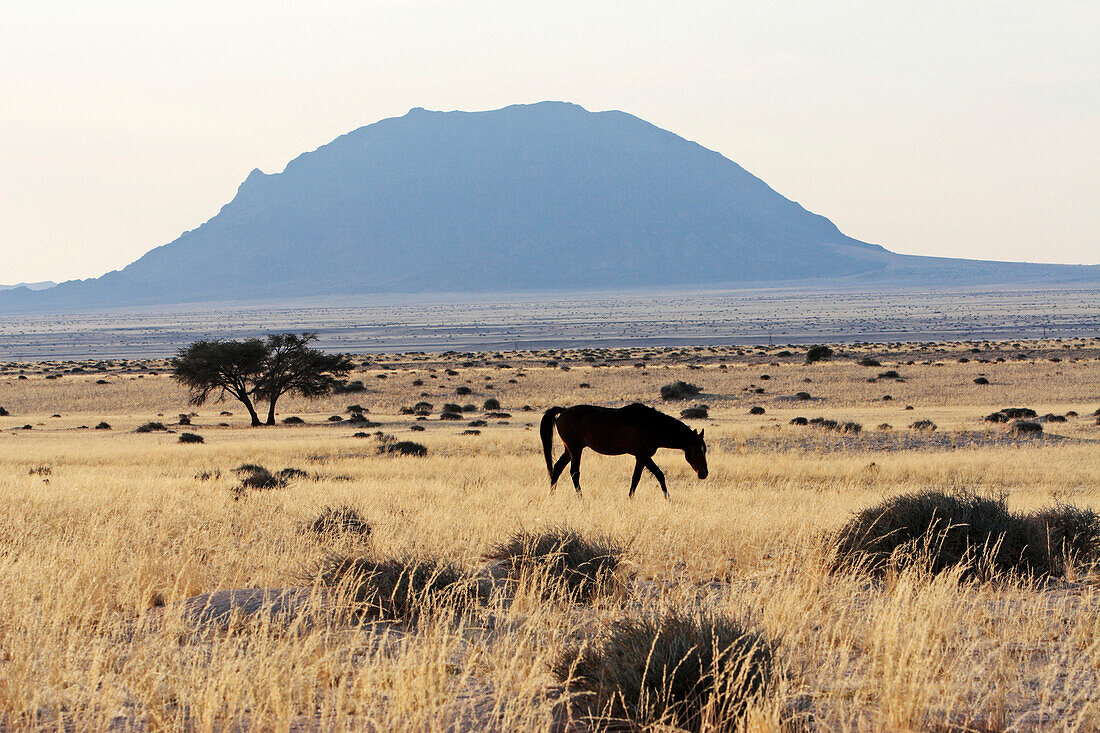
257	369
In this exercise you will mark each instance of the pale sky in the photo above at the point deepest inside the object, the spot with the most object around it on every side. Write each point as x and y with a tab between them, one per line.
943	128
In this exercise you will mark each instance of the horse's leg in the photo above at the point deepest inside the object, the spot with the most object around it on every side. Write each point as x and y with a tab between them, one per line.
575	468
639	464
558	468
657	472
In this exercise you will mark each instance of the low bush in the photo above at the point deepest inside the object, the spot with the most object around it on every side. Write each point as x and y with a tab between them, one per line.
981	380
103	426
937	532
699	412
491	405
580	567
403	448
679	391
818	353
150	427
668	671
190	438
799	421
756	410
925	425
1025	427
293	420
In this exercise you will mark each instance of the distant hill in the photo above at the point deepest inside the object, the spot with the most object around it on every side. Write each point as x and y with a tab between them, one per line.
527	198
42	285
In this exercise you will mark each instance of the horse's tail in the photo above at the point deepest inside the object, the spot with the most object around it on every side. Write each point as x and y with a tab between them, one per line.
546	430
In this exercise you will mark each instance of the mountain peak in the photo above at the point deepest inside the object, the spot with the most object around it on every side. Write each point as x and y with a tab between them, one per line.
543	196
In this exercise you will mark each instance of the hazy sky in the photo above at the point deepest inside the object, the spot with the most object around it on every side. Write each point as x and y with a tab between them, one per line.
944	128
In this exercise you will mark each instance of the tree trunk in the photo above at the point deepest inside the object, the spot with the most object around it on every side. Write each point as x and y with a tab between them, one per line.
271	412
251	411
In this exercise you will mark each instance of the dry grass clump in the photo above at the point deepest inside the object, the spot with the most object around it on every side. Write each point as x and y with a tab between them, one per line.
1069	535
923	425
569	562
335	520
670	670
396	588
935	531
679	391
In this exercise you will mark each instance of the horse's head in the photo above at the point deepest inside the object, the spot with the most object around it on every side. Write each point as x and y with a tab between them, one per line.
696	454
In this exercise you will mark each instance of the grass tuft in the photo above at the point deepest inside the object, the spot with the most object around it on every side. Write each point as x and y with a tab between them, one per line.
670	670
581	567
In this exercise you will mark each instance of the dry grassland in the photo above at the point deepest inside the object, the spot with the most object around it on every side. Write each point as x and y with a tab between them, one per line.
104	532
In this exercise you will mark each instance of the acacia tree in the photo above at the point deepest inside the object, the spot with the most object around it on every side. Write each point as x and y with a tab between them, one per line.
233	367
292	366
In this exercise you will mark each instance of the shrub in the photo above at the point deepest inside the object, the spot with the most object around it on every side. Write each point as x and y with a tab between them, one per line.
103	426
471	431
850	427
818	353
822	422
679	391
450	416
293	420
3	412
1051	417
581	567
336	418
492	404
343	387
185	419
340	520
670	670
423	408
1025	427
802	396
700	412
463	391
1070	536
417	428
150	427
256	477
355	408
885	426
451	407
404	448
190	438
869	362
927	425
756	410
397	588
799	421
889	374
981	380
936	531
1005	414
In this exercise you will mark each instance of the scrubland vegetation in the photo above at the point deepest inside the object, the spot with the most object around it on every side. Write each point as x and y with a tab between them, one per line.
939	574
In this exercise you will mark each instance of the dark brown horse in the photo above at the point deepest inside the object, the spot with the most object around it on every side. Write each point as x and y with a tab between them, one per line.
636	430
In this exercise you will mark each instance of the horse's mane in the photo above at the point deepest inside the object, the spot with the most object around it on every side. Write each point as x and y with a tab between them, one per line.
670	423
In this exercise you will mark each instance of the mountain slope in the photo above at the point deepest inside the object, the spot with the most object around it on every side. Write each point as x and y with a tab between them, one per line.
530	197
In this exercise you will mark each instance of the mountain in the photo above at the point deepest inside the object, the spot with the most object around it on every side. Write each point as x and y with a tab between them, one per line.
42	285
534	197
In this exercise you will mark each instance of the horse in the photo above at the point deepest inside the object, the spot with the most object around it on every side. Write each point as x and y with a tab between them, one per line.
637	430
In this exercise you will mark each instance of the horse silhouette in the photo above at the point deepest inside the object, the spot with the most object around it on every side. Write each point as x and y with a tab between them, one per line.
636	430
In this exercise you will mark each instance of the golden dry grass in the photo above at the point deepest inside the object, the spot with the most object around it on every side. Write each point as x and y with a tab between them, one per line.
103	533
